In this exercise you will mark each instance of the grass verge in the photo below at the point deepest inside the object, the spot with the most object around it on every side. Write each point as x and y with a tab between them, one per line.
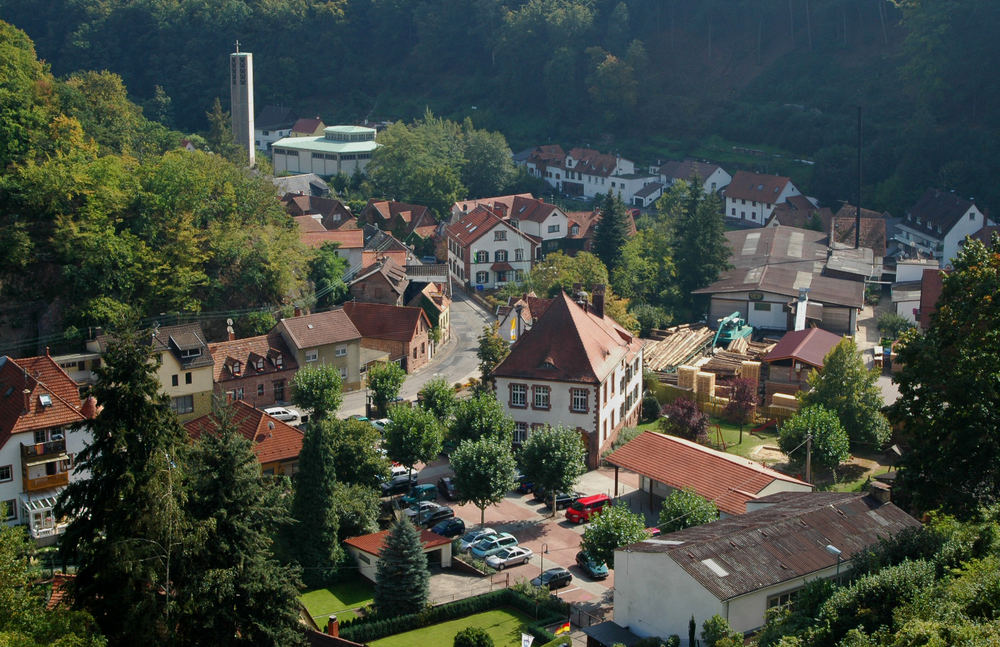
341	598
503	626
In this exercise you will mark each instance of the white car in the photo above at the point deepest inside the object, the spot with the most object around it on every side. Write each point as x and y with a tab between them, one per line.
380	423
284	414
509	557
473	536
423	508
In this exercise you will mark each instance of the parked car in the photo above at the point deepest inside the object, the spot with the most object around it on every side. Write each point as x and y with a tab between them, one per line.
522	484
436	517
398	470
493	545
421	509
593	568
509	557
380	424
563	499
653	531
473	536
583	509
452	527
553	578
425	492
284	414
447	488
398	484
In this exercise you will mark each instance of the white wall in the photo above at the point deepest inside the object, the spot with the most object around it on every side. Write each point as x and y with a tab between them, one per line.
906	308
970	222
559	397
488	243
760	212
746	613
264	142
912	270
556	218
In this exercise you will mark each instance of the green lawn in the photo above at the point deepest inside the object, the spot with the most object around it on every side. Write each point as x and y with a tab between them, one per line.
503	625
731	435
341	598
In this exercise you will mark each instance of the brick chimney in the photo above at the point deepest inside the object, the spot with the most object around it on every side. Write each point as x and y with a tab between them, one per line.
500	209
333	627
597	299
89	408
879	491
298	311
27	396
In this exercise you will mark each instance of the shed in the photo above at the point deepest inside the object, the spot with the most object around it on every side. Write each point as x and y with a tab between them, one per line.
794	357
365	549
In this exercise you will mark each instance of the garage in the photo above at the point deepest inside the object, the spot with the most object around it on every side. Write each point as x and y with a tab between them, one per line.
365	549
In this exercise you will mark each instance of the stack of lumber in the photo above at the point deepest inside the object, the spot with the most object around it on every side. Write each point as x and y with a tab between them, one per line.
672	347
725	363
754	349
686	377
705	386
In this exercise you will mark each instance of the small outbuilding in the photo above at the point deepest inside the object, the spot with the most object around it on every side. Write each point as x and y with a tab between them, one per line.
797	354
365	549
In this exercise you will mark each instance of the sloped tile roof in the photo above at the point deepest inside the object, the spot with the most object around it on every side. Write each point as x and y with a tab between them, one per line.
309	223
810	346
380	321
464	206
373	543
937	208
531	209
756	186
273	441
274	117
348	238
269	347
570	344
307	125
40	376
60	595
785	541
320	329
387	266
478	223
728	480
593	162
687	169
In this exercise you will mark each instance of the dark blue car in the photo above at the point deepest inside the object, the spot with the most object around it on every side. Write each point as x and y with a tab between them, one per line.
449	527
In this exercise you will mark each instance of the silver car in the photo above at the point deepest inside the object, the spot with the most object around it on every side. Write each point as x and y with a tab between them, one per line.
473	536
509	557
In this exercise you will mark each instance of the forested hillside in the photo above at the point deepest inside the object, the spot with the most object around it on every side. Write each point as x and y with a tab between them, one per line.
647	78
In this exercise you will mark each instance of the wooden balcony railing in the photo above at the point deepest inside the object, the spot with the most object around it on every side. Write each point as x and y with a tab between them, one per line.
46	482
43	449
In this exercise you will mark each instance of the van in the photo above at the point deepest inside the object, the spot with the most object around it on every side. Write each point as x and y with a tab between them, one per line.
584	508
285	415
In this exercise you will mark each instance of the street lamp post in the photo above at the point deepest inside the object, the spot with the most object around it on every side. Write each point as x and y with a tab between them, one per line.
542	554
833	550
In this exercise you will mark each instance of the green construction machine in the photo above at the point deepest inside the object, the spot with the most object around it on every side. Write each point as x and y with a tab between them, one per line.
731	328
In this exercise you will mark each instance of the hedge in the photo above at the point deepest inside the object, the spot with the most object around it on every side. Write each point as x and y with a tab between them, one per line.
373	627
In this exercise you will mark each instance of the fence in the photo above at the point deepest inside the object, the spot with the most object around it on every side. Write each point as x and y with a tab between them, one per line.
580	617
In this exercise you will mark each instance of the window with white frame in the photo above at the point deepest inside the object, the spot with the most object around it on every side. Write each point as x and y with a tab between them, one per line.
542	399
554	228
482	277
500	255
578	400
520	432
500	235
482	257
518	395
518	254
340	351
6	473
312	355
343	373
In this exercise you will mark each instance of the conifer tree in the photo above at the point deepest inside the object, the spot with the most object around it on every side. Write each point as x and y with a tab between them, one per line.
402	581
231	589
128	516
313	535
611	232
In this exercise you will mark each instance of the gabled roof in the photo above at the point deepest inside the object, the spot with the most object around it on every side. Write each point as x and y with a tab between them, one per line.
273	441
465	206
547	154
569	344
380	321
390	270
348	238
307	125
728	480
810	346
594	162
785	541
304	184
648	190
274	118
320	329
389	209
842	231
687	169
373	543
532	209
267	347
52	398
333	213
533	307
937	212
433	293
756	186
310	223
931	286
797	211
176	340
477	223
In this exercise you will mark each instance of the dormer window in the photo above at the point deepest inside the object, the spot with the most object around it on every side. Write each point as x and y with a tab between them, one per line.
260	363
45	400
187	353
279	361
237	368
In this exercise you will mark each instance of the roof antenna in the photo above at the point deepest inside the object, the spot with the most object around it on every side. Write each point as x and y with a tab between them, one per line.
237	47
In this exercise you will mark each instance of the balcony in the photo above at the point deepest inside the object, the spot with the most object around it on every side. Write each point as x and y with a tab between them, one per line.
42	452
46	482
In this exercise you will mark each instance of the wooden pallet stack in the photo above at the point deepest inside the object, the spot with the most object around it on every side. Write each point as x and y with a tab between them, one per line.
674	346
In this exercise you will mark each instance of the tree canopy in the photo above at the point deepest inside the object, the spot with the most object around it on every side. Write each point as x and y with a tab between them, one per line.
614	527
412	436
481	416
384	381
685	508
318	389
553	459
402	581
830	445
484	472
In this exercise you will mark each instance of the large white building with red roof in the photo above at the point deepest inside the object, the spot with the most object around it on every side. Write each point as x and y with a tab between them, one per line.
486	250
39	405
576	367
751	197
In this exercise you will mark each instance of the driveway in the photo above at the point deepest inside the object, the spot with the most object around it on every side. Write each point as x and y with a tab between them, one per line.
455	361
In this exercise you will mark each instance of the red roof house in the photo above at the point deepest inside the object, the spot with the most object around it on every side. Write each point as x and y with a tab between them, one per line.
276	444
367	548
402	331
794	357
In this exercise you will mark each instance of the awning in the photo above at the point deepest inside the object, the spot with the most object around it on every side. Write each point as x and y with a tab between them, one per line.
501	267
37	504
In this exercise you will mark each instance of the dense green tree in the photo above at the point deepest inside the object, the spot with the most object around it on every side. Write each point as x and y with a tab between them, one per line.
473	637
312	540
231	588
220	133
318	389
611	231
560	272
846	387
356	456
127	518
830	444
484	472
491	351
326	271
893	325
553	459
438	397
614	527
99	101
948	387
384	381
412	436
481	416
489	169
685	508
716	632
402	580
646	272
357	508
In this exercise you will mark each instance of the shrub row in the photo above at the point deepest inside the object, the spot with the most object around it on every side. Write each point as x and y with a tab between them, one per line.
373	627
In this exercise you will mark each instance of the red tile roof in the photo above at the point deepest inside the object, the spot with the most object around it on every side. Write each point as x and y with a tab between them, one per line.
756	186
267	347
320	329
40	376
466	206
373	543
531	209
348	238
308	125
478	223
931	285
593	162
570	344
309	223
380	321
60	596
687	169
369	258
273	441
728	480
809	346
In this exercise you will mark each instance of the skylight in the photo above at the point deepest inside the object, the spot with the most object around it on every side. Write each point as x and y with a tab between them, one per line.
715	567
45	400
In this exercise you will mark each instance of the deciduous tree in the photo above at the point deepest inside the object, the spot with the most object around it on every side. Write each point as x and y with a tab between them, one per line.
438	397
742	401
481	416
683	418
473	637
492	350
553	459
830	446
614	527
685	508
384	381
484	472
402	580
356	456
412	436
318	389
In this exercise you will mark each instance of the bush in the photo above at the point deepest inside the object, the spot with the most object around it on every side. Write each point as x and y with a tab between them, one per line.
473	637
830	444
716	630
650	407
893	325
683	418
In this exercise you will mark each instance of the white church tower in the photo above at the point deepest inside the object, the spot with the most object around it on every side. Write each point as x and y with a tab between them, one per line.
241	100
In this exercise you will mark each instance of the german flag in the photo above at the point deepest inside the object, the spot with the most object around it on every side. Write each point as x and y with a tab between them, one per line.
563	629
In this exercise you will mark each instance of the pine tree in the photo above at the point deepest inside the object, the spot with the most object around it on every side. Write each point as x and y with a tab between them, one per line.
313	536
231	589
402	580
128	516
612	231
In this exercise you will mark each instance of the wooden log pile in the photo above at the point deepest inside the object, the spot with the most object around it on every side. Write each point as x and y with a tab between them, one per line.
672	347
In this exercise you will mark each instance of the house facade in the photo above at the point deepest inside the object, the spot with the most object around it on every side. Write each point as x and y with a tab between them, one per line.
401	331
436	304
43	426
713	177
275	444
258	370
518	315
272	124
938	223
751	197
325	338
384	282
341	149
575	367
484	250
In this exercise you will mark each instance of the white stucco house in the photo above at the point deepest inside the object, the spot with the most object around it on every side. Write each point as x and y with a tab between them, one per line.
713	177
938	223
741	566
751	197
486	250
907	286
575	367
341	149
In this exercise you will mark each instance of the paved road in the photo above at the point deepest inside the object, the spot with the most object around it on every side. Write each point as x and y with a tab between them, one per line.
456	361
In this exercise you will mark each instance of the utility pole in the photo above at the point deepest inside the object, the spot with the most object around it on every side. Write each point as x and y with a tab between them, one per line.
857	217
809	448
